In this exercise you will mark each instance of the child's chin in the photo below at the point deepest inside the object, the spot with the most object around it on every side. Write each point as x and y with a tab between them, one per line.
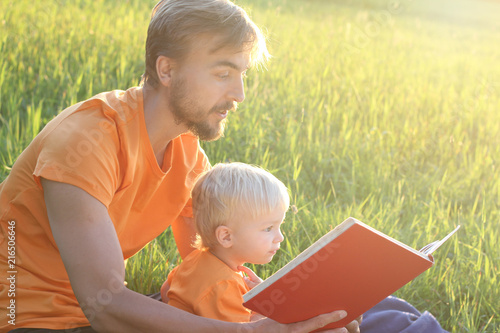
263	261
269	260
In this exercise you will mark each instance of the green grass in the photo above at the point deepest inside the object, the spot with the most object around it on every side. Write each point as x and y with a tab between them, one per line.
386	113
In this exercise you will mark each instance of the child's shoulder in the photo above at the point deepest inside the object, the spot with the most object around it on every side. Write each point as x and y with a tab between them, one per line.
202	263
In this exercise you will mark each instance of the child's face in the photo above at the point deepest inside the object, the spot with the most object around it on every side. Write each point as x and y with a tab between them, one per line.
256	240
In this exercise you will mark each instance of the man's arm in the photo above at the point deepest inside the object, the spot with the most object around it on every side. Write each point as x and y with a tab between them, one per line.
184	234
92	255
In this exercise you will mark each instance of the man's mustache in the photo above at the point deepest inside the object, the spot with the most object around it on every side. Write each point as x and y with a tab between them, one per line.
229	106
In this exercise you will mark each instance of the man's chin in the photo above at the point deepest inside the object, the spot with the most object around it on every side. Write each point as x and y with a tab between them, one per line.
209	134
215	137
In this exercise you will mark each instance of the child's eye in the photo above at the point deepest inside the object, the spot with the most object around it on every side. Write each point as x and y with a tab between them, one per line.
269	228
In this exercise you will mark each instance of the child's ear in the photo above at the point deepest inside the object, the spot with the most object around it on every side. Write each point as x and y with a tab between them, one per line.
224	236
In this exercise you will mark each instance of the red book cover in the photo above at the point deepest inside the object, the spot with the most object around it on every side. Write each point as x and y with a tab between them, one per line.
352	268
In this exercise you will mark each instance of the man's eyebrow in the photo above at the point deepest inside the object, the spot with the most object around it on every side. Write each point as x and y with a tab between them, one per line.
227	63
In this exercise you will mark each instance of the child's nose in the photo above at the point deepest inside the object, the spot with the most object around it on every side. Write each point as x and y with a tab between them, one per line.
279	237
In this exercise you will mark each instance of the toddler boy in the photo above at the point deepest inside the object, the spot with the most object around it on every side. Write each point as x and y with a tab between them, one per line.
238	210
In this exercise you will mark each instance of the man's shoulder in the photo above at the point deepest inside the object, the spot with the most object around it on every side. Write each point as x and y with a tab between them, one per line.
117	105
121	105
105	112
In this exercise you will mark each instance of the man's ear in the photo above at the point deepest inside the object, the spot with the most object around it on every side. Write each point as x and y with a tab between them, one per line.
164	67
224	236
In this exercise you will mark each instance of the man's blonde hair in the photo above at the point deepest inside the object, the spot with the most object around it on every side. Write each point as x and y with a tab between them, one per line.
175	24
229	189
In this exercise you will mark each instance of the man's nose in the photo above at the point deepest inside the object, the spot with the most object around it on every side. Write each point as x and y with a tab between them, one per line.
238	91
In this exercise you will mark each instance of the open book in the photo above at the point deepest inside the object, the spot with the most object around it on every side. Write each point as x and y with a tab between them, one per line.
352	268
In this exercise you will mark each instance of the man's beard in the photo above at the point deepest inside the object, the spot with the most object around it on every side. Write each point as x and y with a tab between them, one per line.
187	112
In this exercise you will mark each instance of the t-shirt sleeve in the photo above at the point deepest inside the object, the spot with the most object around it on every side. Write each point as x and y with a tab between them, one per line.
224	301
82	151
202	165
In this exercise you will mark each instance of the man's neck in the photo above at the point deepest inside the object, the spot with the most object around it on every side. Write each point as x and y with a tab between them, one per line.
160	122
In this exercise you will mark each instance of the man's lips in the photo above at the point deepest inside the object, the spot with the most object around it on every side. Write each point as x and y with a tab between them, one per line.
223	113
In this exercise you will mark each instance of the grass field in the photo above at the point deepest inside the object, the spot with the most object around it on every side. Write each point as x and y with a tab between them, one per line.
387	111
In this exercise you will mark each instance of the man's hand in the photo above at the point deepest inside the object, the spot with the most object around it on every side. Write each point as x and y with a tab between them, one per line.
251	279
268	325
353	327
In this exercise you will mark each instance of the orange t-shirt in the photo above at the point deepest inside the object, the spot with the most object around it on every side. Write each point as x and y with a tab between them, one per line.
101	146
205	286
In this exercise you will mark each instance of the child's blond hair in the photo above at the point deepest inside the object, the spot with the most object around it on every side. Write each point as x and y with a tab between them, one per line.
231	188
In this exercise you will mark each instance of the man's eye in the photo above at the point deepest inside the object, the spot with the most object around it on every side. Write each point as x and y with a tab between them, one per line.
223	75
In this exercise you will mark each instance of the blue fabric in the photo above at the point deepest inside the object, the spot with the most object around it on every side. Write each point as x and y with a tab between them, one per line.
394	315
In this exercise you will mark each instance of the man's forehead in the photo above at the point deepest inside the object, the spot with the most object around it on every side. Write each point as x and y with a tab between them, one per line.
228	56
236	63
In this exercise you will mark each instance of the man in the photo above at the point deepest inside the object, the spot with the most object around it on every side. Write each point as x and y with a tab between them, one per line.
109	174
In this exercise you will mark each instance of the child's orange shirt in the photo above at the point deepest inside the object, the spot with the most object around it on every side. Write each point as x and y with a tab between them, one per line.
205	286
101	146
